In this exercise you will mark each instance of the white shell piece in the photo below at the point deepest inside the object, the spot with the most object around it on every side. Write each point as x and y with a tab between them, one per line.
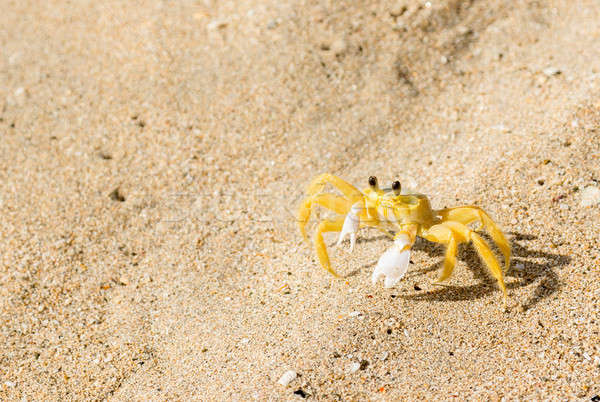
351	225
393	264
287	377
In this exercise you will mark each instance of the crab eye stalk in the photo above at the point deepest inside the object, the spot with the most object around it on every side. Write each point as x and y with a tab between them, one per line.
373	181
397	187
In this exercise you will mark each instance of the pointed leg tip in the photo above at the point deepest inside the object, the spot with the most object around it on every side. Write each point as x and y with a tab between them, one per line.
440	281
335	274
505	300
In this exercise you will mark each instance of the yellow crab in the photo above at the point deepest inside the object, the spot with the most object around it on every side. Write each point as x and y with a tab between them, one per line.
409	215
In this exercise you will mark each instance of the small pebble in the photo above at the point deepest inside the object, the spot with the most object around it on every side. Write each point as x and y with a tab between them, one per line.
501	128
353	367
398	8
287	377
105	155
520	266
217	24
550	71
9	384
590	196
338	47
116	195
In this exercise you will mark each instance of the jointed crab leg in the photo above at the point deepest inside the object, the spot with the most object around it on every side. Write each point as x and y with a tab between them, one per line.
443	234
341	205
326	226
317	185
471	213
452	233
336	203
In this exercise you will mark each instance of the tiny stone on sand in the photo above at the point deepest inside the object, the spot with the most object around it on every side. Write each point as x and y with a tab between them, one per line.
590	196
353	367
287	377
338	47
550	71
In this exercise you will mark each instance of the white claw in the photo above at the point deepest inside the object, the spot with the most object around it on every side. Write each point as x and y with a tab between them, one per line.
351	225
393	264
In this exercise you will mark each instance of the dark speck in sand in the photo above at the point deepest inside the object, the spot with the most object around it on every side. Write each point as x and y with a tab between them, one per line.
300	392
116	195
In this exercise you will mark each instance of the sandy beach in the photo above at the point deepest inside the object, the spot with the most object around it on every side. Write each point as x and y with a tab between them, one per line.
153	156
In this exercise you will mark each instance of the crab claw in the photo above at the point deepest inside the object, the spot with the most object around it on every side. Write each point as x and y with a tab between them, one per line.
393	264
351	225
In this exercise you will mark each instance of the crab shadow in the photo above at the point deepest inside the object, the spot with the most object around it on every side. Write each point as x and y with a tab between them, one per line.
528	266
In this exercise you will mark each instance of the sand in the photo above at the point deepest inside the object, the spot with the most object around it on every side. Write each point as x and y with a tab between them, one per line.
153	155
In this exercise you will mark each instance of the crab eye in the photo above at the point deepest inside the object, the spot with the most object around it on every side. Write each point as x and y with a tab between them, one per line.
396	187
372	181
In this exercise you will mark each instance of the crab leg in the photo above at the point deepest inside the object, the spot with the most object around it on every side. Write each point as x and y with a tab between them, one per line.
470	213
334	202
443	234
319	182
449	231
321	249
